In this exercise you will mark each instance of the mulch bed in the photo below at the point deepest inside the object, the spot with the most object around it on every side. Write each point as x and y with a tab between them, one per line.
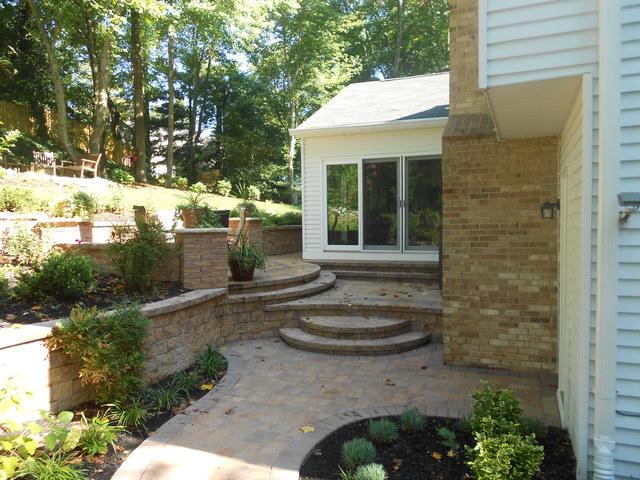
108	292
103	467
412	457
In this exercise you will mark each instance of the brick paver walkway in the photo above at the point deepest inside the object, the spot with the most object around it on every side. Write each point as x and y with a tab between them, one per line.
248	428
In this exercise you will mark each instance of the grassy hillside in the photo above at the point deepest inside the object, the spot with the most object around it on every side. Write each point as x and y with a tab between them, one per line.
50	190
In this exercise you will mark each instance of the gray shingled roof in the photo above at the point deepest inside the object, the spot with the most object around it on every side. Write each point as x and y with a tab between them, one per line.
384	101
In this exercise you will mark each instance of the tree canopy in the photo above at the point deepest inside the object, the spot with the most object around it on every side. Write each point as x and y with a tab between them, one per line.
193	86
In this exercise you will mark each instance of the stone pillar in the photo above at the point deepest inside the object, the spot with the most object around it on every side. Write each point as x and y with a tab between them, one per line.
204	257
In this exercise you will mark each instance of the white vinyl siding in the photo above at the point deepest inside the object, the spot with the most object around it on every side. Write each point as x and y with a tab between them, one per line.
628	351
354	147
529	40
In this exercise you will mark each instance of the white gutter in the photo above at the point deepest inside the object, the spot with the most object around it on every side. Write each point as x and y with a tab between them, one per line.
607	239
369	127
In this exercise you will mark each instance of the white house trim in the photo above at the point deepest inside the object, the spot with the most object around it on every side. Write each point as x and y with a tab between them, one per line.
369	127
482	43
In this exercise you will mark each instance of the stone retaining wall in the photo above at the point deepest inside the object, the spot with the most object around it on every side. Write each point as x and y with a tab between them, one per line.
273	240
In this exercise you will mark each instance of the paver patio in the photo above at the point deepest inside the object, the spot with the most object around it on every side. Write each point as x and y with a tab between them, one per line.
248	427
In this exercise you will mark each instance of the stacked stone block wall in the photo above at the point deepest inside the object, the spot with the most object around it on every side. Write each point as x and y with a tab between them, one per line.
273	240
204	257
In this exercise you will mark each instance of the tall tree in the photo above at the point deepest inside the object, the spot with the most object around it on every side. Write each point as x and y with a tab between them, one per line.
397	55
171	104
137	70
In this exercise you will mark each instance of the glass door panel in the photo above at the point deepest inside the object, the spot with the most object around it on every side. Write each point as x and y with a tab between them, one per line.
381	204
423	205
342	204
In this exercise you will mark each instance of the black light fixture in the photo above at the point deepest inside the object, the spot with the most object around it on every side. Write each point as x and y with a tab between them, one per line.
548	209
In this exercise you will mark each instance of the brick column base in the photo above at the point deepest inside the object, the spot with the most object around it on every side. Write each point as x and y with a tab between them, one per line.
204	257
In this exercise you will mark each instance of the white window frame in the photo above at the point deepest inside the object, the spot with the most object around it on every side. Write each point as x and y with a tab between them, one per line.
325	214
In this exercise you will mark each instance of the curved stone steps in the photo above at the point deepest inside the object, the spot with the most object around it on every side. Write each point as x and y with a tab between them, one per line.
353	327
391	275
302	340
324	282
276	282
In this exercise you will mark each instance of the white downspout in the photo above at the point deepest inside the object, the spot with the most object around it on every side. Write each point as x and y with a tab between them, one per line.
607	238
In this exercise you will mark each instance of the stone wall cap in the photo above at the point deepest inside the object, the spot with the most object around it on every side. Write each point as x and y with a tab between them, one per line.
17	334
179	302
192	231
284	227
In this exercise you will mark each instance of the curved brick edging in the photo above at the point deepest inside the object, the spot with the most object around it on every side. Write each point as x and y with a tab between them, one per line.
290	459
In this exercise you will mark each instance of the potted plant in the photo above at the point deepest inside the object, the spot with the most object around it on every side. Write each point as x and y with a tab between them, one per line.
191	209
244	258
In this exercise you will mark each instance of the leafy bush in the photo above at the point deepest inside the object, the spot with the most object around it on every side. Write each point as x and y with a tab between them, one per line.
23	248
250	207
372	471
223	187
136	252
185	383
18	199
253	192
115	202
495	411
4	285
84	204
198	187
51	467
356	452
98	434
448	438
505	456
165	398
383	431
247	255
110	349
181	182
209	218
64	276
532	425
412	420
120	175
212	364
131	414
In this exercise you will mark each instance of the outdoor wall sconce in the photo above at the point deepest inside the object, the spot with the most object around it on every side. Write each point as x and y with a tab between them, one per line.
548	209
630	202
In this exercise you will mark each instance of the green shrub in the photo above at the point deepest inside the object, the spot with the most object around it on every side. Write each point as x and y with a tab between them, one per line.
495	411
4	285
199	187
253	192
448	438
247	254
223	187
18	199
185	382
84	204
115	202
383	431
110	349
120	175
23	248
412	420
164	399
181	182
54	467
132	414
209	218
356	452
137	251
98	434
62	276
371	471
251	209
212	364
505	456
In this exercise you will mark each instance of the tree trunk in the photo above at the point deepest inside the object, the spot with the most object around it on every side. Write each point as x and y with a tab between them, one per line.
101	97
138	96
397	56
193	117
291	155
172	99
56	80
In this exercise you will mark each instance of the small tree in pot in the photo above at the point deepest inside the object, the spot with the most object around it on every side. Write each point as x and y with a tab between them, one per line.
191	209
244	258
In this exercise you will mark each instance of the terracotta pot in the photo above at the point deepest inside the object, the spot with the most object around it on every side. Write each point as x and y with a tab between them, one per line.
191	217
238	274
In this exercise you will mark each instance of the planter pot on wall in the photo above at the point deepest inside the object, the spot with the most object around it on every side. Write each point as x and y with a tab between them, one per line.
191	217
238	274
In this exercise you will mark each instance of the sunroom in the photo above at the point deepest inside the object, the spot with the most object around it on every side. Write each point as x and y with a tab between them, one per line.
372	173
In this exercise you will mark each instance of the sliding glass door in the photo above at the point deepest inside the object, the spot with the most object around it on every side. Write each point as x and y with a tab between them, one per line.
383	204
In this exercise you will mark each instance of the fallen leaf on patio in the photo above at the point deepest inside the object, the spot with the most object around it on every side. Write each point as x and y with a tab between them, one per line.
307	429
396	463
423	367
451	453
389	382
436	456
230	411
206	386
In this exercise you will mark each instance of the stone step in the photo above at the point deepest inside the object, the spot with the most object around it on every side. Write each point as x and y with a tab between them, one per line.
324	282
298	338
260	283
387	266
403	276
353	327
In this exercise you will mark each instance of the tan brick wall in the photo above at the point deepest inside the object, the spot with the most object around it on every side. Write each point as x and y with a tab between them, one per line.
282	240
500	257
204	258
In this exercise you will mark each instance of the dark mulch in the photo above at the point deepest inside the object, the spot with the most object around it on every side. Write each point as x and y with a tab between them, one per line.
108	292
103	467
420	455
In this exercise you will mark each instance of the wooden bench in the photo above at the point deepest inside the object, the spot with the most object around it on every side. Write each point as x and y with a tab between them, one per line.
44	161
86	163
